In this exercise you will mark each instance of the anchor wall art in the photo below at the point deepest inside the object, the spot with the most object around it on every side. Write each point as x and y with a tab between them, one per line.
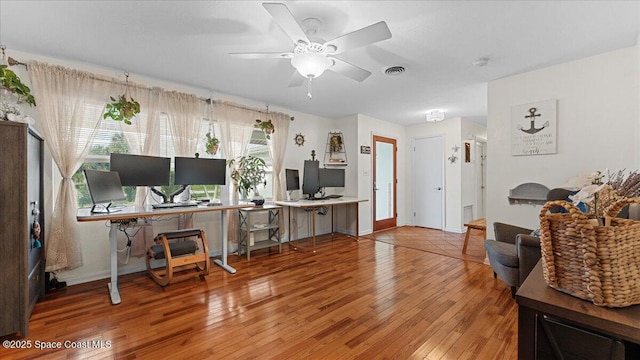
534	128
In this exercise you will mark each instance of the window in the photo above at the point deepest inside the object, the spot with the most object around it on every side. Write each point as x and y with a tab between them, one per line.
109	138
112	137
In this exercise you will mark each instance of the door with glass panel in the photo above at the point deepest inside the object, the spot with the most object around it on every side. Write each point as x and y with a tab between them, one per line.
384	183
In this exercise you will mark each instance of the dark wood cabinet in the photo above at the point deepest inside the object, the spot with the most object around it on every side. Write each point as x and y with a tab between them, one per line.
554	325
22	280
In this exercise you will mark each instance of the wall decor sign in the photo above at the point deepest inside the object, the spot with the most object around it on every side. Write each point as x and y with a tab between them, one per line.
365	149
534	128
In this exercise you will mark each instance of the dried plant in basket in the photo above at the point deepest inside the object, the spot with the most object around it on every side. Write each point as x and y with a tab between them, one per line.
599	195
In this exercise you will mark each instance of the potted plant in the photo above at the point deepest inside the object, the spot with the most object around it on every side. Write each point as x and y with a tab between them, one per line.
266	126
247	173
12	83
212	144
122	109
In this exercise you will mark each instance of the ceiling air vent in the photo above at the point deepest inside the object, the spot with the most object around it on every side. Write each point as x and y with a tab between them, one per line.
394	70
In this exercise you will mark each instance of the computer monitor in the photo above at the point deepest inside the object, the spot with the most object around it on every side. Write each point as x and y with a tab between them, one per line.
310	185
293	179
331	178
104	188
141	170
199	171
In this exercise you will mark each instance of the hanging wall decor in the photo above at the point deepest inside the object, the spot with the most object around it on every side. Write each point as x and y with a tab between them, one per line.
534	128
299	139
454	156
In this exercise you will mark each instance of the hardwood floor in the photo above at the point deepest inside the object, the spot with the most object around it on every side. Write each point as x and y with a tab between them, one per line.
434	241
355	300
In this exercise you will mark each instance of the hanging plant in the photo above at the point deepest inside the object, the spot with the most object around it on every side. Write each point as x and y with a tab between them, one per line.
266	126
212	144
12	82
124	108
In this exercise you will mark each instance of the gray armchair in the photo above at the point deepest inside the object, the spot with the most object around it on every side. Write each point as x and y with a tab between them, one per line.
513	254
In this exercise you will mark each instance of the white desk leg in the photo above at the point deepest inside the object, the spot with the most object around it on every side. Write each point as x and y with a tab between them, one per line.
222	262
114	293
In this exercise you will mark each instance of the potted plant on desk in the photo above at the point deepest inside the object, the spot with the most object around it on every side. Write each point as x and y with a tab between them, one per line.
247	173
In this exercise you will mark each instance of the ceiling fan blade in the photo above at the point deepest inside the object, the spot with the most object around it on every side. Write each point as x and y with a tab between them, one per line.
296	79
262	55
349	70
284	18
367	35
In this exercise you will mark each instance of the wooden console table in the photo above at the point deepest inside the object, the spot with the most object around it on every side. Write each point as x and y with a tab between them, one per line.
550	321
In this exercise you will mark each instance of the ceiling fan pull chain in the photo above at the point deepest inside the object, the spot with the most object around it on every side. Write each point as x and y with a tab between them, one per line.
309	87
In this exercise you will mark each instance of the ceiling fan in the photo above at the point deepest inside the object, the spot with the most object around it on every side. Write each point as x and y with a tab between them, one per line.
311	58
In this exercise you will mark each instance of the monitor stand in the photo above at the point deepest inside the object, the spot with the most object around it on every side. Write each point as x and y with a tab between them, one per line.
169	198
104	210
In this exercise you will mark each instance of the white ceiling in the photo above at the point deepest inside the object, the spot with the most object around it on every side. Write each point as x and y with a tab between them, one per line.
188	42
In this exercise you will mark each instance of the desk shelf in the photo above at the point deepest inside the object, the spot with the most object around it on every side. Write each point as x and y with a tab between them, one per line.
248	229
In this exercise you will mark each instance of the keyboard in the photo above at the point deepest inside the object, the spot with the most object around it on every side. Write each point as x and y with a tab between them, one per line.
173	205
327	197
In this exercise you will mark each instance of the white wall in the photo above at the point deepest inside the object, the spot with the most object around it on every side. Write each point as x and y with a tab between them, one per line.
458	175
598	117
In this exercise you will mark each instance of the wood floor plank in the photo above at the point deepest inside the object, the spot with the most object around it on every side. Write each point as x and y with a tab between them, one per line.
368	299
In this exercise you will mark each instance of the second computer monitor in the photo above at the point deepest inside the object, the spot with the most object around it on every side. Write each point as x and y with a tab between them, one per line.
141	170
200	171
331	178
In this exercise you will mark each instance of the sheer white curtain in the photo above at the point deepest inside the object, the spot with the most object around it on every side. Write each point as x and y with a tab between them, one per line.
185	121
185	114
277	148
236	127
70	107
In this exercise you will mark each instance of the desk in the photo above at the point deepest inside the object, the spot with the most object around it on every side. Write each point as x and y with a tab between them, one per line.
132	212
537	301
313	204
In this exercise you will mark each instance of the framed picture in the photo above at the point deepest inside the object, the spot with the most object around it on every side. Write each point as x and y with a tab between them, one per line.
534	128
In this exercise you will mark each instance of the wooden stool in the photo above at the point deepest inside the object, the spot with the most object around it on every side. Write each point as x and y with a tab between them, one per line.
180	255
479	224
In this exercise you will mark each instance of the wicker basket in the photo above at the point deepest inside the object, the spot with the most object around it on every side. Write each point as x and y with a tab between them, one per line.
592	262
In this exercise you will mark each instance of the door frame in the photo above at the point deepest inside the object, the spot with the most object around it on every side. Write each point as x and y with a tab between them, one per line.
393	221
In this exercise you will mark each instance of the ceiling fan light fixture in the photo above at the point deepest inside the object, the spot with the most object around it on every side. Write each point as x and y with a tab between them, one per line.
310	64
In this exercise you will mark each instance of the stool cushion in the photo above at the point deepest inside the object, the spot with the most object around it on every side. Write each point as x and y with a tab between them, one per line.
173	234
177	248
503	253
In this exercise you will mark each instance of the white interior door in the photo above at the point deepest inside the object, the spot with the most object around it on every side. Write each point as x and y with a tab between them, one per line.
428	182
